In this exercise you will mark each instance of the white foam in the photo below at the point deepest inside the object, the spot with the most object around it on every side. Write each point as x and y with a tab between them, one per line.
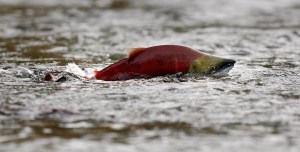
75	69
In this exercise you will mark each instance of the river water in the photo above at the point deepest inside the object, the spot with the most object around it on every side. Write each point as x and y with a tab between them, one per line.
255	107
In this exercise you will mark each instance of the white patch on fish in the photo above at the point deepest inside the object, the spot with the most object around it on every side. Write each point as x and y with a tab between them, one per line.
224	71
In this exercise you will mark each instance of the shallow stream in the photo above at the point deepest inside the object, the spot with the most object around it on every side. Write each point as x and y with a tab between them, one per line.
255	107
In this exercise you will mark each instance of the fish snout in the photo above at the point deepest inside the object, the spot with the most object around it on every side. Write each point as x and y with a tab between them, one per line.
228	62
224	67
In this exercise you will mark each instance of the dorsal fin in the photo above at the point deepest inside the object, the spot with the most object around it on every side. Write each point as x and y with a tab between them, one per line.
134	52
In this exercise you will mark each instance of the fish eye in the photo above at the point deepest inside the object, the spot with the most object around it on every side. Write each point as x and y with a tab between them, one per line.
213	67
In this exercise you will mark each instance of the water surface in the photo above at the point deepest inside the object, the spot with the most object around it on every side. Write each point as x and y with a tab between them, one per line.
253	108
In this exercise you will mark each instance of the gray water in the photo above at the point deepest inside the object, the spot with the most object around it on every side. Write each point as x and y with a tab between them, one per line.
255	107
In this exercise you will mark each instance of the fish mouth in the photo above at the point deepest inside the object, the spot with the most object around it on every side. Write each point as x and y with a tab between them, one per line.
224	67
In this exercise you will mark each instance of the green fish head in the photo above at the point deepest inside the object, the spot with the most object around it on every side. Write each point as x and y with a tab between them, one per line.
211	65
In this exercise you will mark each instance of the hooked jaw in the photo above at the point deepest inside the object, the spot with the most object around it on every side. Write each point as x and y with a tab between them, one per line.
211	65
223	67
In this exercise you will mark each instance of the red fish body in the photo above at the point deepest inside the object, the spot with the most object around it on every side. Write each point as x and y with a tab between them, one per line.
150	62
163	60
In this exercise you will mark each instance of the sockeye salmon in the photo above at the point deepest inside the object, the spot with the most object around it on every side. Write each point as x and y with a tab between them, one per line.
162	60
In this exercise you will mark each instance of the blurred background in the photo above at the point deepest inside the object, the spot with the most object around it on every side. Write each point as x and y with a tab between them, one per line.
253	108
